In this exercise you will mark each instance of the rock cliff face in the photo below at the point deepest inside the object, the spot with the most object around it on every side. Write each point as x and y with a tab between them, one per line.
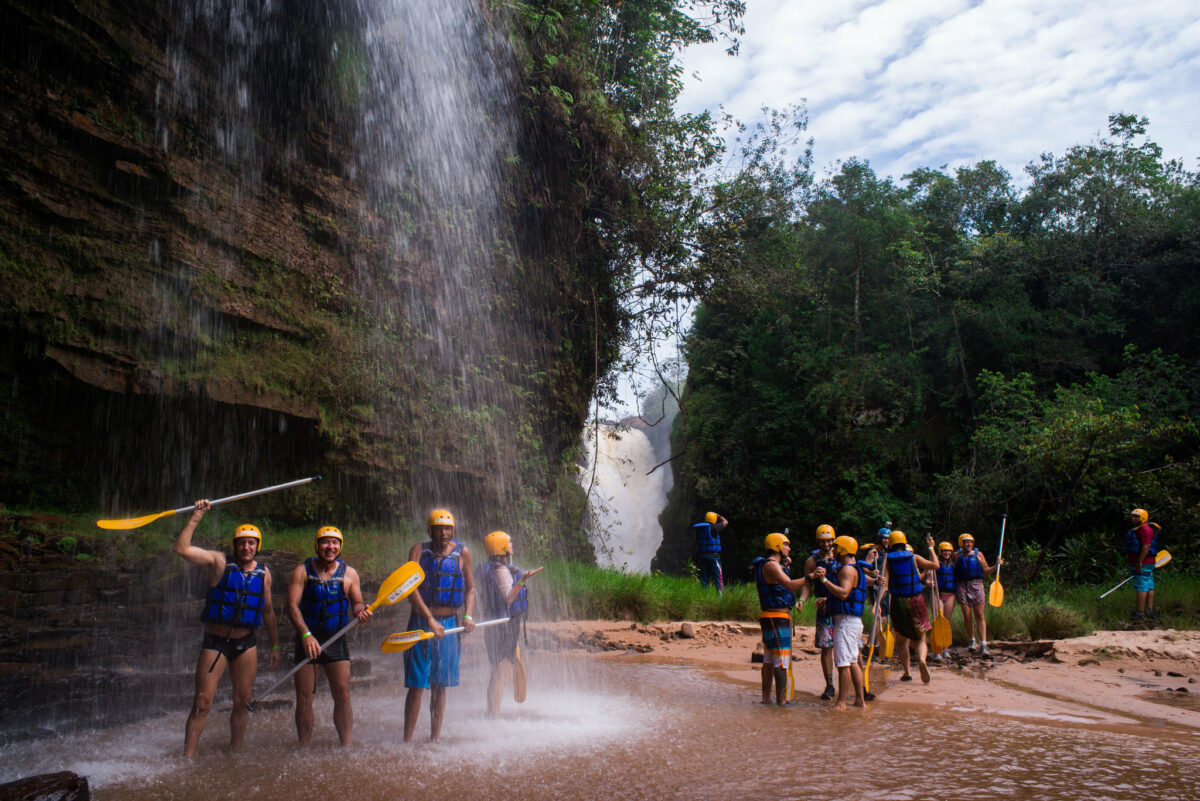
200	291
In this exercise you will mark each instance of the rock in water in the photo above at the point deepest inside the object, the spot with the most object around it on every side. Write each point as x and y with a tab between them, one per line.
63	786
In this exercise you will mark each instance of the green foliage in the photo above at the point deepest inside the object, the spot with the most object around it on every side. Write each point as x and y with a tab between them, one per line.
1054	622
942	350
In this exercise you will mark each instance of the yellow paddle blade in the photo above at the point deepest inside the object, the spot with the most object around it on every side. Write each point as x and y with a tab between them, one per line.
400	584
942	635
520	682
996	593
403	641
1162	558
133	522
889	643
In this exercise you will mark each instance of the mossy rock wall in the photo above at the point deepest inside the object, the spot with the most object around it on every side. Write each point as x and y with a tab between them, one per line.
174	327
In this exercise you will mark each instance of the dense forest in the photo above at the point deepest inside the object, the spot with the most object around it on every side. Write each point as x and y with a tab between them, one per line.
945	349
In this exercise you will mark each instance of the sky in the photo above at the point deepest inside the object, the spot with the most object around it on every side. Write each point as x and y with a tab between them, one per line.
931	83
904	84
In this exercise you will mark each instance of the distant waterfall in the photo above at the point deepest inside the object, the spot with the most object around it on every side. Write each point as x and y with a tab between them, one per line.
624	503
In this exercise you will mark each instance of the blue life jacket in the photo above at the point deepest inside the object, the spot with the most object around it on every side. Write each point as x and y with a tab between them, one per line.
770	596
905	581
707	540
493	602
444	584
831	568
855	601
967	567
1133	545
324	604
945	579
238	598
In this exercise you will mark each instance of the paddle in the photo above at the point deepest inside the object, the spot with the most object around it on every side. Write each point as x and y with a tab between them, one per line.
1162	558
996	593
889	640
402	641
395	587
942	635
520	682
876	625
138	522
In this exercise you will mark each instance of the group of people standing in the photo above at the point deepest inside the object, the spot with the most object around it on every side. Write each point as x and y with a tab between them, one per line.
845	579
323	595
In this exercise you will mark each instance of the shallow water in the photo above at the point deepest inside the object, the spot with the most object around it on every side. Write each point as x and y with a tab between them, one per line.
595	728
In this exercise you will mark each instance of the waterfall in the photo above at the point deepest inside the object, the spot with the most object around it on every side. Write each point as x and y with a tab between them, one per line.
624	502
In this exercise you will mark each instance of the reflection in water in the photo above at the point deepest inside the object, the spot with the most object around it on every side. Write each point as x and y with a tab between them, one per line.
630	731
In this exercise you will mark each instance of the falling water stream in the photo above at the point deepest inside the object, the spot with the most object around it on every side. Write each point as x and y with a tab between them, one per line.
626	496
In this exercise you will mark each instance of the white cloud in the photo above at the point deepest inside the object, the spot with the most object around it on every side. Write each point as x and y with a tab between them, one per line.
926	83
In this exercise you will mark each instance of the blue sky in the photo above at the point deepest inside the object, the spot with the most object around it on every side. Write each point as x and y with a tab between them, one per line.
927	83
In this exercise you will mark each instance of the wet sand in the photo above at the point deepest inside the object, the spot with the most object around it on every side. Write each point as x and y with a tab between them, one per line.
1112	678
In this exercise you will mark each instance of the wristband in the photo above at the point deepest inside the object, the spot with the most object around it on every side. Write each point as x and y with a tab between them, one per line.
275	647
306	634
468	617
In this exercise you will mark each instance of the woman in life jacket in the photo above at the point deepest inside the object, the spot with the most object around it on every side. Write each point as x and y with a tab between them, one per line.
910	613
970	567
503	593
945	582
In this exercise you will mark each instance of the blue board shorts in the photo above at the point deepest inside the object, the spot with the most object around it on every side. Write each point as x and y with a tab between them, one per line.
1143	580
432	662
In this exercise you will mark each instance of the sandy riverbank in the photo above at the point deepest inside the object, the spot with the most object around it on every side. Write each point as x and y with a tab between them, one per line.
1110	678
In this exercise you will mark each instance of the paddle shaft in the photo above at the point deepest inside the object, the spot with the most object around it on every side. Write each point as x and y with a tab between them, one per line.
1157	563
250	704
250	494
1000	553
394	588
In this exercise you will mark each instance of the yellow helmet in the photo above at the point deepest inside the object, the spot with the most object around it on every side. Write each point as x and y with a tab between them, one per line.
440	517
710	517
964	537
775	542
897	538
945	546
825	532
497	543
845	545
1141	514
329	531
248	530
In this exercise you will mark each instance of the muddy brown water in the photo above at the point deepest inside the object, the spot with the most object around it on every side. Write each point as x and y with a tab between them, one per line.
597	728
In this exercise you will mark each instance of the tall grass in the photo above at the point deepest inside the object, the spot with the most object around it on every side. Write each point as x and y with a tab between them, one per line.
1047	610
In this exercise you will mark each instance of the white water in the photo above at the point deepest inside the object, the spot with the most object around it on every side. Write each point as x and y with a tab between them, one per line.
624	502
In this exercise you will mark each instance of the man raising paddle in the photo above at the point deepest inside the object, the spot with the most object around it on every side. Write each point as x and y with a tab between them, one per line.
448	587
323	594
239	599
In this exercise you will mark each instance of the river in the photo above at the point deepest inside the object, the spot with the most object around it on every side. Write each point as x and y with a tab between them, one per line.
604	727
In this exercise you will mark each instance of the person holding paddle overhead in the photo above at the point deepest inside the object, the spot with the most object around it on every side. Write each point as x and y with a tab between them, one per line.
910	614
823	556
847	600
776	596
503	593
238	601
448	587
324	594
969	569
1140	548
